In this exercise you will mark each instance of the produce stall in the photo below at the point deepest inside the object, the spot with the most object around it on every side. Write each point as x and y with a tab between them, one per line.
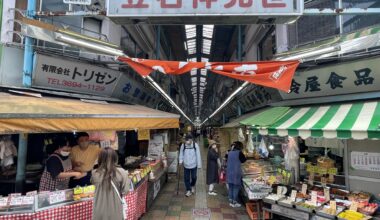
36	113
340	169
74	203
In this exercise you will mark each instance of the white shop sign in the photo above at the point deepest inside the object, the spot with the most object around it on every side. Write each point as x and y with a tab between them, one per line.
164	8
51	72
347	78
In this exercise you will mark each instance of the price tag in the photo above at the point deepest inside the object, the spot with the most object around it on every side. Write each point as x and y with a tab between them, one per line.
57	197
311	179
104	144
28	200
333	205
293	195
354	206
333	171
314	197
327	194
89	189
16	201
331	178
15	195
279	190
78	190
3	202
324	181
32	193
304	189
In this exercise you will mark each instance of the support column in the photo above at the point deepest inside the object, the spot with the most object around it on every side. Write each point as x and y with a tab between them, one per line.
240	44
28	52
21	162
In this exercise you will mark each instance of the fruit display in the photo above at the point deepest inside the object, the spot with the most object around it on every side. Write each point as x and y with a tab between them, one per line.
329	212
272	198
83	192
302	196
306	206
352	215
362	198
369	208
343	203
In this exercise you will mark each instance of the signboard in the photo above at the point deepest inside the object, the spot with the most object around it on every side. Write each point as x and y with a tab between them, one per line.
60	74
77	2
346	78
165	8
365	161
132	91
156	146
143	134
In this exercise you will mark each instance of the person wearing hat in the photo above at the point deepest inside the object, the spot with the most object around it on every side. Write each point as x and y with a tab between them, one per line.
190	157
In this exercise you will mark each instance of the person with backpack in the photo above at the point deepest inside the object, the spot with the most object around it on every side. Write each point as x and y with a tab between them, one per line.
190	157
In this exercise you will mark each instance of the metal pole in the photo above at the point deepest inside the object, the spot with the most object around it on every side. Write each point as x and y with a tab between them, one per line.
239	48
28	52
340	6
158	41
21	162
239	110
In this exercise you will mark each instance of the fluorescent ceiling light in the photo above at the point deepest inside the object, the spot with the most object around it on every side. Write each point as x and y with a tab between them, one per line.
204	59
206	46
208	31
184	43
191	31
311	54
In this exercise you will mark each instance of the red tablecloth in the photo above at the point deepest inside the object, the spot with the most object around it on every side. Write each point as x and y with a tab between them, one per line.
136	201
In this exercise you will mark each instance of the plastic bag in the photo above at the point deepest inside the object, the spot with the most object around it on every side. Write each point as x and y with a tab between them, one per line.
250	146
263	150
241	137
222	176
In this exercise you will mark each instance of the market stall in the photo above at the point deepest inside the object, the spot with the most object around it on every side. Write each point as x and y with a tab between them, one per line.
33	113
350	127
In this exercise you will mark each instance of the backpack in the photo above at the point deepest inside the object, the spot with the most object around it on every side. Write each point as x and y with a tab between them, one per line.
184	147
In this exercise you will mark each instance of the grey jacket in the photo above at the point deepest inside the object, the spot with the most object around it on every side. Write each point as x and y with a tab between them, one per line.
189	157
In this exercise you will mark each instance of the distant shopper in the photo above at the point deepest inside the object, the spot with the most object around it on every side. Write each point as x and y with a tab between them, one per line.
84	157
190	157
212	168
58	170
234	173
111	183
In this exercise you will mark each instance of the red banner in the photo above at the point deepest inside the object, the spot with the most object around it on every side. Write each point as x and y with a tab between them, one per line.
274	74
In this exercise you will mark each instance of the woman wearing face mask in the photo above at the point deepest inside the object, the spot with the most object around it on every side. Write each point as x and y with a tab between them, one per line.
58	170
212	168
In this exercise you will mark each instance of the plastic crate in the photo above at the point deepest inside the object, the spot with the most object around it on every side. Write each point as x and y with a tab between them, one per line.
254	210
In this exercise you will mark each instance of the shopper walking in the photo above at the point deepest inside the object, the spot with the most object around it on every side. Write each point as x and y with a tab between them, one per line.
111	182
234	173
58	170
213	163
190	157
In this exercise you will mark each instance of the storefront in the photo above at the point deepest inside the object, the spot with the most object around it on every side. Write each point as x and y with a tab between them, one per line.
345	172
32	113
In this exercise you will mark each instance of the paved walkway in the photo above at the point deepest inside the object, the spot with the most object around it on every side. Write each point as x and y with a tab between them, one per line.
169	205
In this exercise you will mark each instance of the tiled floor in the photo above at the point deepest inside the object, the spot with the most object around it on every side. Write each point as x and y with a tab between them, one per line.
169	205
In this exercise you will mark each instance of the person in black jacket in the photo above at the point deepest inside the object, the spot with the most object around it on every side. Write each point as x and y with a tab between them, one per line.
212	176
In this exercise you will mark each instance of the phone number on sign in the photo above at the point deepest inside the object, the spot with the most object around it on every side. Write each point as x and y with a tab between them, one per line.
72	84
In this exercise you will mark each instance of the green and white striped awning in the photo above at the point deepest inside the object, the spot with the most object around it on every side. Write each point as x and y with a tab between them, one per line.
355	120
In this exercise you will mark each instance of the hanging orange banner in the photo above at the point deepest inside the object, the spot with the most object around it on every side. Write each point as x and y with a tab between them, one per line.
274	74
